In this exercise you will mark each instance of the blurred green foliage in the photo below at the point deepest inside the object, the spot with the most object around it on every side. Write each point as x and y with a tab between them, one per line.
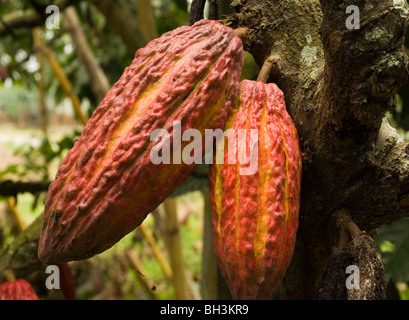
17	98
393	239
37	159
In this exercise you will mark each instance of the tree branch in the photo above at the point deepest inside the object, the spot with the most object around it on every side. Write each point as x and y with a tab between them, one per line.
9	188
99	82
197	181
64	81
270	69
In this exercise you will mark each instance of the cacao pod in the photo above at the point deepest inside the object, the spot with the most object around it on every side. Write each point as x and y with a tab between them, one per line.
255	215
19	289
107	184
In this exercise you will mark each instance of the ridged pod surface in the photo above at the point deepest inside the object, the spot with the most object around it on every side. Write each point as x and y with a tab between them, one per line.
107	184
255	216
19	289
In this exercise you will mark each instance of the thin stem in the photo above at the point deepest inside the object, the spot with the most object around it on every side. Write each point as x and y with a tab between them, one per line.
64	82
242	32
136	263
156	250
270	69
16	214
347	228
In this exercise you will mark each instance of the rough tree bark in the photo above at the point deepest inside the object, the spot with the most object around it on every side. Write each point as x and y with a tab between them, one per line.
339	84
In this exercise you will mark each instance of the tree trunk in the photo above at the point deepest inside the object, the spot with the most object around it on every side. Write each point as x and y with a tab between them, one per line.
338	84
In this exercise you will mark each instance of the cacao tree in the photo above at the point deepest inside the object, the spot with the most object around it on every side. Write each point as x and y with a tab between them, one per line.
338	85
340	65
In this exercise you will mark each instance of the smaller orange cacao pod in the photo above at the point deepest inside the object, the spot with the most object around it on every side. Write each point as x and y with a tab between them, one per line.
255	211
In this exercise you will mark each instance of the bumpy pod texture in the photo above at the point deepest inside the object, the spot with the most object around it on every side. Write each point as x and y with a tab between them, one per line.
17	290
255	216
107	184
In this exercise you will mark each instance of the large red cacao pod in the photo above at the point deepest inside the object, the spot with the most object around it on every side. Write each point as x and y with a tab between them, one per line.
107	184
19	289
255	214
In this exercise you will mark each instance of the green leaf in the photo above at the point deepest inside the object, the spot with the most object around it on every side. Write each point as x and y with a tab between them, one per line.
386	246
395	238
